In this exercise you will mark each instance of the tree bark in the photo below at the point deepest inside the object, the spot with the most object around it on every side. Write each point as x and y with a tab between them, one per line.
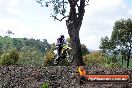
76	48
73	25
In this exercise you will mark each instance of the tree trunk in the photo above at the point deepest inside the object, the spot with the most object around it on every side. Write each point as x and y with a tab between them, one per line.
73	24
122	61
76	48
73	30
128	58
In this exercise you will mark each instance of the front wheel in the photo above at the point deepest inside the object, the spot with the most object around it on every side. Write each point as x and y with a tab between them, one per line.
56	60
69	57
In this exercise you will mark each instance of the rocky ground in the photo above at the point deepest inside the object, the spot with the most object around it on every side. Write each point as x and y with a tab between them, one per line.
57	77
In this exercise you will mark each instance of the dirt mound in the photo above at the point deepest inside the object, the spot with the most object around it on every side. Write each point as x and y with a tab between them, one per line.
57	77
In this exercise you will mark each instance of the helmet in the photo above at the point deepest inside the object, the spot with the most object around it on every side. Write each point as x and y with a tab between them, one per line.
61	36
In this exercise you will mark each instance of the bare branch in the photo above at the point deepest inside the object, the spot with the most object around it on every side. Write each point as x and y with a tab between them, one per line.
63	12
76	1
73	2
87	2
63	4
70	1
61	18
77	5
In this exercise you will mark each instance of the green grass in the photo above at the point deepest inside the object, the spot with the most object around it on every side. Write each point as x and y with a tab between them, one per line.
45	85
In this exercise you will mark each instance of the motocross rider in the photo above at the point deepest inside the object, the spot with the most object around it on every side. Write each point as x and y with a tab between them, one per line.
59	44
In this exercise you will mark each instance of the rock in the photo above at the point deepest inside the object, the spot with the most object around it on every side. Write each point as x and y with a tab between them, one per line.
55	76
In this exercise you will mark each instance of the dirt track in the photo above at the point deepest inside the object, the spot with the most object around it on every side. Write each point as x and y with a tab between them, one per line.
57	77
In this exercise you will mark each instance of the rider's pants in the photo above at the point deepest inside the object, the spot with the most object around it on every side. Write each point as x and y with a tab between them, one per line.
59	49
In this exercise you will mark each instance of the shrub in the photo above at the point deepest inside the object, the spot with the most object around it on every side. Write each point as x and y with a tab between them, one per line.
9	58
100	60
112	65
30	57
94	59
48	58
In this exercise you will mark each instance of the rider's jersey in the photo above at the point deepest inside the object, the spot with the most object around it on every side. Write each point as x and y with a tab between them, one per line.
60	41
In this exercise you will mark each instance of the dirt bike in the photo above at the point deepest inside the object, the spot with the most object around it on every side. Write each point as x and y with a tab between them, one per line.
65	54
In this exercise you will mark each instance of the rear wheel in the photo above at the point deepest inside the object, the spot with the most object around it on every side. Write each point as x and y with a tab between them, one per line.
56	60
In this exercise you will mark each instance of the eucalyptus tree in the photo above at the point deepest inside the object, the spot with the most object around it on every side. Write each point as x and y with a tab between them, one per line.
75	10
121	40
122	36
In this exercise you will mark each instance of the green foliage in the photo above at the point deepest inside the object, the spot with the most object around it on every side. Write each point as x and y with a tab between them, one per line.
122	34
84	49
31	50
49	58
1	48
30	57
42	46
7	42
121	40
18	43
107	45
5	59
94	59
10	58
100	60
59	6
45	85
